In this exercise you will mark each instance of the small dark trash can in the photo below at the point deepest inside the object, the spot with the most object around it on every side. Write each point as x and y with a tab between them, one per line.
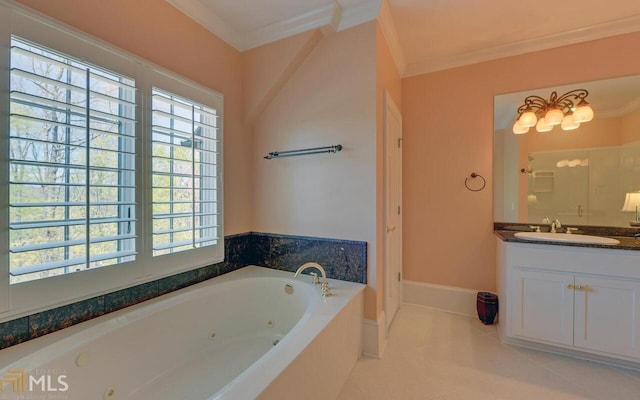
487	306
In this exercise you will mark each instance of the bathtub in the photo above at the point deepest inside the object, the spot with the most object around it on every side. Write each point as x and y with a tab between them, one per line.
252	333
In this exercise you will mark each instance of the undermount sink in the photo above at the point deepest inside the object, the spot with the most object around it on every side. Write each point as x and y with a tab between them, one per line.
565	238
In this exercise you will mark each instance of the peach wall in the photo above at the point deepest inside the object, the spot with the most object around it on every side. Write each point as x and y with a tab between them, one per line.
523	183
630	127
387	74
266	69
600	132
329	99
156	31
387	79
506	176
448	235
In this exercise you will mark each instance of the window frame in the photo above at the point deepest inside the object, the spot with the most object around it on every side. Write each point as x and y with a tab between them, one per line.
92	119
154	77
204	208
28	297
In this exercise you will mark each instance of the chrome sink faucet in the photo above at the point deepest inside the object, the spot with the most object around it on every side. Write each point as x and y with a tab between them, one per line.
555	225
326	292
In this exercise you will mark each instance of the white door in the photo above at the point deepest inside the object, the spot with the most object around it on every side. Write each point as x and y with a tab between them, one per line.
542	306
392	120
607	315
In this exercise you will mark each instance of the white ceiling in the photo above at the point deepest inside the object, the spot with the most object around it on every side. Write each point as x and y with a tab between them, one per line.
424	35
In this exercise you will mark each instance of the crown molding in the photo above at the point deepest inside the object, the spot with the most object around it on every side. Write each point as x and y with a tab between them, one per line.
630	107
358	14
327	15
390	34
599	31
622	111
335	17
209	20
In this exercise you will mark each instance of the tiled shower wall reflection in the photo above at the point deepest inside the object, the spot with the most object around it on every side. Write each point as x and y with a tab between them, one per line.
343	259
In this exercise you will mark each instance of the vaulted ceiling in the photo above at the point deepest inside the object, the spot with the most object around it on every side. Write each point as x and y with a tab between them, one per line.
424	35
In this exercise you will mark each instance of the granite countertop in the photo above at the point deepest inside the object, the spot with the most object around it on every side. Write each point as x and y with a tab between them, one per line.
506	232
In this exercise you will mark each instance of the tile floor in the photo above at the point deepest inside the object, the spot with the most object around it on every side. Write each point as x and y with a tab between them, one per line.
432	355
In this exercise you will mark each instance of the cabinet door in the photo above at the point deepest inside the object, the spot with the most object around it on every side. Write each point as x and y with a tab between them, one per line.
607	315
542	306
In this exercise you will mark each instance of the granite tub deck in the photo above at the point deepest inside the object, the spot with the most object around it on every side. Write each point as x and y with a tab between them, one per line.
506	232
343	259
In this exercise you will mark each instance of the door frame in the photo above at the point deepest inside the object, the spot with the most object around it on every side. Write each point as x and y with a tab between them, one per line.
390	276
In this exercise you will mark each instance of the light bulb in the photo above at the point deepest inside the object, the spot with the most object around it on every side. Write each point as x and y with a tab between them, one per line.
554	117
568	124
542	126
528	119
583	113
518	129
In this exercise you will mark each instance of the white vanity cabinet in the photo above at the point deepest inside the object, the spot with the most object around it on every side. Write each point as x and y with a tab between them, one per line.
576	298
542	306
607	315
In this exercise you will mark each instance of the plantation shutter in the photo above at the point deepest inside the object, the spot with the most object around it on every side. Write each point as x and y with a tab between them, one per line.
72	164
185	174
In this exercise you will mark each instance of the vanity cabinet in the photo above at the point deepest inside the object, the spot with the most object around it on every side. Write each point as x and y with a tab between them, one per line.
581	299
542	306
607	315
586	312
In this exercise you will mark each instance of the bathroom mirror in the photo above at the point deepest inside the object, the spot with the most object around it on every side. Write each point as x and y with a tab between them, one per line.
581	176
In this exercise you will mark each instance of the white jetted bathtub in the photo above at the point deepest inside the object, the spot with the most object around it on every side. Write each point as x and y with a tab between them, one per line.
252	333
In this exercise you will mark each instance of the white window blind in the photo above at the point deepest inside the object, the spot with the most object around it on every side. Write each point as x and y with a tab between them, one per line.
185	174
72	164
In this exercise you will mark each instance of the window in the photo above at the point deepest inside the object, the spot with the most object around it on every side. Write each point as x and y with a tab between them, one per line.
72	165
112	168
184	166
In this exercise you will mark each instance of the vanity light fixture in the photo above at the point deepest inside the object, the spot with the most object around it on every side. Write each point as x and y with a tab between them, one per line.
569	111
632	204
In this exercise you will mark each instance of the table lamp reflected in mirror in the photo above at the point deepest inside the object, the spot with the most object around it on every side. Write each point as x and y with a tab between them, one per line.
631	204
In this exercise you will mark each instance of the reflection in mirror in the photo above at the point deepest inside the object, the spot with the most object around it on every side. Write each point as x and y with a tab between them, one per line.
585	176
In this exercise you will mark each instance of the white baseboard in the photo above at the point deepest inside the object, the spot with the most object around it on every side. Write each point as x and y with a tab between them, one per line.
446	298
374	336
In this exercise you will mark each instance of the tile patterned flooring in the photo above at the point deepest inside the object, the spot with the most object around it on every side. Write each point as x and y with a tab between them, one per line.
433	355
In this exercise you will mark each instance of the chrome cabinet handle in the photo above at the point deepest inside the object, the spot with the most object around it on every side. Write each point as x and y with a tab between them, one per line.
579	211
581	288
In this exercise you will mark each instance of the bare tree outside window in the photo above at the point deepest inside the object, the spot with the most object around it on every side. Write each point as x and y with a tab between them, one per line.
72	165
185	167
